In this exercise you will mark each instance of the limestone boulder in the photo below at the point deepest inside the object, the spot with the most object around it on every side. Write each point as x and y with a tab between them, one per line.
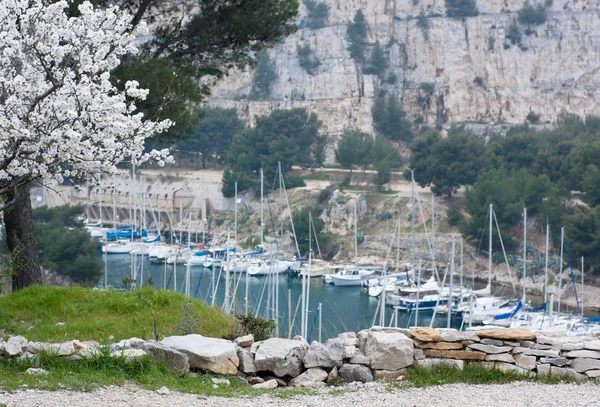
215	355
333	375
129	355
246	359
455	354
269	384
495	342
178	362
389	350
583	365
553	353
12	349
419	354
311	378
490	349
329	355
431	362
389	375
283	357
346	339
360	359
244	341
566	372
543	369
593	374
525	361
592	345
355	373
132	343
426	334
507	334
500	357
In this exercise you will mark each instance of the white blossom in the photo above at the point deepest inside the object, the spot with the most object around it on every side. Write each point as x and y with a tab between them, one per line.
60	115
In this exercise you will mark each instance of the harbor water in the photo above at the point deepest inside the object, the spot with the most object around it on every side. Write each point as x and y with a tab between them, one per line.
343	308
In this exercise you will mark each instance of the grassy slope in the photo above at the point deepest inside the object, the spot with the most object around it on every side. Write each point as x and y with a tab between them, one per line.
95	315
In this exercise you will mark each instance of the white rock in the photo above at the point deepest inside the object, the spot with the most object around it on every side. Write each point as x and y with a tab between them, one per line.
553	353
246	361
244	341
319	355
220	380
36	372
592	345
281	356
269	384
592	354
582	365
309	378
525	361
176	360
215	355
130	355
593	373
347	339
355	373
500	357
565	372
12	349
389	350
452	335
490	349
431	362
163	391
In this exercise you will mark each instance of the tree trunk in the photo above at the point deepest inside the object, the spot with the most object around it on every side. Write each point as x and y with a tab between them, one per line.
20	239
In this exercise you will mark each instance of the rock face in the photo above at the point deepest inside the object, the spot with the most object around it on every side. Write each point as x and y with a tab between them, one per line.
389	351
355	373
541	75
329	355
215	355
283	357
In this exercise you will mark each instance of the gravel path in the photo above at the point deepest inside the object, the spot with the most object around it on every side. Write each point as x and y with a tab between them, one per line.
459	395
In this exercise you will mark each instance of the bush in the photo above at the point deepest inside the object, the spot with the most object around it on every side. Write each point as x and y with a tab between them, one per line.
427	87
514	34
461	8
356	35
533	117
423	24
317	14
454	215
491	43
264	77
479	81
306	59
294	181
261	329
532	15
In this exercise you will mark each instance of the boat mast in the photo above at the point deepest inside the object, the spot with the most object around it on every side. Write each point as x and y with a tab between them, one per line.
227	293
412	220
418	295
490	249
450	285
546	266
114	210
524	254
262	221
355	232
560	273
582	268
235	217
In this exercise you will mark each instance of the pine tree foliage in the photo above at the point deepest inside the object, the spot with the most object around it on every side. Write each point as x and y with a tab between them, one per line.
356	34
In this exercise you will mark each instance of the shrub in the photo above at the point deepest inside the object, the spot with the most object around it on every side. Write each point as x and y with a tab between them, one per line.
317	14
491	43
294	181
514	34
478	81
423	24
306	59
533	117
532	15
427	87
261	329
454	215
461	8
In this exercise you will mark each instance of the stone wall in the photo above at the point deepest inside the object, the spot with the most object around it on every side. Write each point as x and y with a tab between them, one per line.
374	354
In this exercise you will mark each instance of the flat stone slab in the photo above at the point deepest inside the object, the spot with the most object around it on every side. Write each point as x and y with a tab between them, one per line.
455	354
592	345
565	372
441	345
490	349
269	384
500	357
508	334
553	353
310	378
506	367
452	335
389	351
583	365
525	361
591	354
426	334
215	355
593	374
495	342
559	361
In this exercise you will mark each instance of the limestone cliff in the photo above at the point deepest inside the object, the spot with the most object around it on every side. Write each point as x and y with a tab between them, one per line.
554	68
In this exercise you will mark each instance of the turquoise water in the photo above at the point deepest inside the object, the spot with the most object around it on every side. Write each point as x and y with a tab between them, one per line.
343	308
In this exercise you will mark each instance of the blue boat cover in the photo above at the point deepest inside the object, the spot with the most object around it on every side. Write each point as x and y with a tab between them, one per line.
510	314
540	308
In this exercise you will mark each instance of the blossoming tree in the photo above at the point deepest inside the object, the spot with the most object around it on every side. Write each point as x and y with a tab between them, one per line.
60	114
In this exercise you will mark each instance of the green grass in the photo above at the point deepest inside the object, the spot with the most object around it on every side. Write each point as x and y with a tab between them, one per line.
87	314
317	176
473	373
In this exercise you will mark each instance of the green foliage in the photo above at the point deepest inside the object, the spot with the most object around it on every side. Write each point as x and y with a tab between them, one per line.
447	163
582	229
461	8
306	59
36	311
65	246
213	135
261	329
454	215
491	43
264	77
513	34
378	62
427	87
423	24
294	181
301	220
531	15
533	117
389	119
384	174
478	81
317	14
356	34
245	181
353	149
381	150
287	136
